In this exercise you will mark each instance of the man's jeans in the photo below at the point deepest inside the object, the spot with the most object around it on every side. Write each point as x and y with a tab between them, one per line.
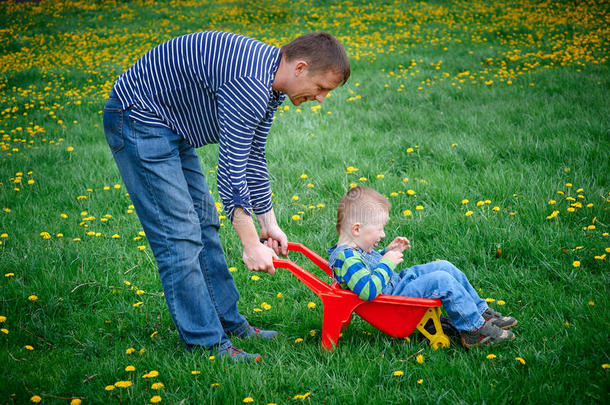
441	279
165	182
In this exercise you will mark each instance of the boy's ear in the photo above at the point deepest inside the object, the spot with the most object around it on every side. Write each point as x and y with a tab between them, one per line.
356	229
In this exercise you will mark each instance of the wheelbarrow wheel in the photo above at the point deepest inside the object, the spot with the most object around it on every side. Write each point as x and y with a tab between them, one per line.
439	341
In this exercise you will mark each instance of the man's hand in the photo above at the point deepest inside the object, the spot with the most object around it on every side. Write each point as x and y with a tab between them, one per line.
276	239
272	234
393	255
258	257
400	243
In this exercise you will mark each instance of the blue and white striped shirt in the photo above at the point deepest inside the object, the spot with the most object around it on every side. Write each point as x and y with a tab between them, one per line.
212	87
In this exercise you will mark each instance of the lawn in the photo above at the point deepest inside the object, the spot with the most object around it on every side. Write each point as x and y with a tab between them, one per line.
486	124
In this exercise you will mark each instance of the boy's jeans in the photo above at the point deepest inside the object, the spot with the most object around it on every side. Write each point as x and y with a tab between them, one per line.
165	182
441	279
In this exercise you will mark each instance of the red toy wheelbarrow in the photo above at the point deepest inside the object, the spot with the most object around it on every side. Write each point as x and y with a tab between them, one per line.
393	315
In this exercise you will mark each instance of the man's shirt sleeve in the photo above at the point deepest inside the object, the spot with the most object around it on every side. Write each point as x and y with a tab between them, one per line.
257	175
351	271
242	105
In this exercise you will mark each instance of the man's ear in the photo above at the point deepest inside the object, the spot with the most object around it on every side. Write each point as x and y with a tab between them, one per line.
300	67
356	229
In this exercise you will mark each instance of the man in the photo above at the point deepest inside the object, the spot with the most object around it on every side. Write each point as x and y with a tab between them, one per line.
197	89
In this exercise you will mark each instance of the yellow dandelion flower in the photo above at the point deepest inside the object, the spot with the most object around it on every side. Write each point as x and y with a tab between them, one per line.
490	356
363	179
7	275
406	213
130	368
32	297
296	217
420	381
36	399
255	278
419	207
155	399
295	198
2	318
29	347
488	300
605	366
304	176
500	302
468	213
398	373
110	387
520	360
247	400
419	359
411	192
70	148
380	176
465	201
152	335
130	350
479	203
591	303
280	295
576	263
123	384
197	372
76	401
552	202
117	186
142	248
4	330
496	208
311	305
298	340
312	333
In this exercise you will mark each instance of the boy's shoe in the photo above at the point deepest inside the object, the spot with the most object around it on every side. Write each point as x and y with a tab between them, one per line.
501	321
488	334
251	331
237	355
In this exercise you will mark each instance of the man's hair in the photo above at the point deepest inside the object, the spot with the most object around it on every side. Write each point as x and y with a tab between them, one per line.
361	205
321	51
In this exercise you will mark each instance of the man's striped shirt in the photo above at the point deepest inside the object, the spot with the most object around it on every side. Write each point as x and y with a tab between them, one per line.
212	87
363	273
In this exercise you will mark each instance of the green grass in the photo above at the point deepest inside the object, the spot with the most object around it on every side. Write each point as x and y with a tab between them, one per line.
474	136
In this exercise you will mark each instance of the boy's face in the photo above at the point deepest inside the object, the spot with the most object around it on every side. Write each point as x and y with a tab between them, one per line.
368	235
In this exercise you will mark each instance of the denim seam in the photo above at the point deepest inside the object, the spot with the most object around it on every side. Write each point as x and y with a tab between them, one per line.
165	233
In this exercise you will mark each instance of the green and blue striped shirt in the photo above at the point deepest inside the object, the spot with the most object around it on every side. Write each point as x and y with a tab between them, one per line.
363	273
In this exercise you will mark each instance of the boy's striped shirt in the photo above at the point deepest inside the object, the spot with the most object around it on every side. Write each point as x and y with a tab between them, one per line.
212	87
352	273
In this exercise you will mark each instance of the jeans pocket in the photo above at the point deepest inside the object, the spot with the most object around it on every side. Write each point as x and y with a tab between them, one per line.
153	143
113	128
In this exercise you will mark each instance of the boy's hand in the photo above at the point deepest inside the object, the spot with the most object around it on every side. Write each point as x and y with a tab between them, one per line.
393	255
400	243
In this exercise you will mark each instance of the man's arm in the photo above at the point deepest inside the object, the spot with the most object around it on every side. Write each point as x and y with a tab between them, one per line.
256	256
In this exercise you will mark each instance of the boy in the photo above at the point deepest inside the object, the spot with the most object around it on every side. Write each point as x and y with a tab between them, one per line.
361	216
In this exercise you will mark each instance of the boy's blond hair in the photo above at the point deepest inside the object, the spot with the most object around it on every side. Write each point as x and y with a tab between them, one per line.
361	205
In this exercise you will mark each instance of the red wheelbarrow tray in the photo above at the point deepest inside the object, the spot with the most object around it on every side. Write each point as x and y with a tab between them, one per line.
394	315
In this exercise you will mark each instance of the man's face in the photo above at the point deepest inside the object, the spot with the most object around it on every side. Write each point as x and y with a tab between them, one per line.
305	86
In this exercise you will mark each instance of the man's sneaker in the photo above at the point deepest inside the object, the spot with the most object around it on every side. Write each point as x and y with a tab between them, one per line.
488	334
251	331
237	355
501	321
